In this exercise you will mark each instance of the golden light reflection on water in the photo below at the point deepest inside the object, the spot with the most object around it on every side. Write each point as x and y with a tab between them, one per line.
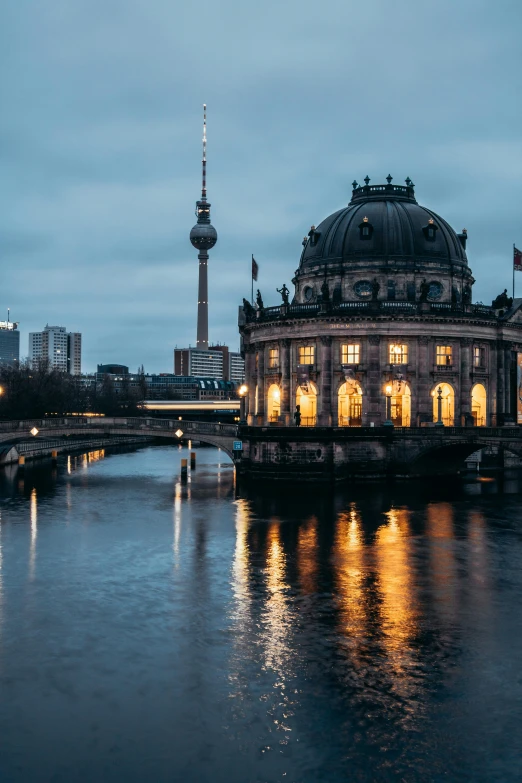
92	456
177	523
34	532
307	556
350	574
443	566
241	565
399	610
276	615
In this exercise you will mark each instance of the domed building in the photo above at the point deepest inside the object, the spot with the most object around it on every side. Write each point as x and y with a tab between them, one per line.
381	329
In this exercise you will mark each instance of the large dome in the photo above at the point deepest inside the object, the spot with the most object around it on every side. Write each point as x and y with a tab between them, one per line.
383	223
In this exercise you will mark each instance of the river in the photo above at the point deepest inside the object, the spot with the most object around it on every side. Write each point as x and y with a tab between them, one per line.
157	631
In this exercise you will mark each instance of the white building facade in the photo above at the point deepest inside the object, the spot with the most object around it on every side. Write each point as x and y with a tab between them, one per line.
62	349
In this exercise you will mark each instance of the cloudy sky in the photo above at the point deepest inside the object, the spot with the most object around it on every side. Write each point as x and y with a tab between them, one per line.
100	147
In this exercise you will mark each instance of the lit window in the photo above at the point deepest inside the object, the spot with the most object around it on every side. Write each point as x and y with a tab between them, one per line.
307	354
349	354
478	356
398	354
444	355
273	358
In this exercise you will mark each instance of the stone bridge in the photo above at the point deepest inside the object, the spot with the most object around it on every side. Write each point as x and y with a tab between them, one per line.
301	453
325	452
213	433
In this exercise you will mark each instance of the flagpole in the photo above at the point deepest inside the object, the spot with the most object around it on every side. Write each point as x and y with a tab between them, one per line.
252	276
513	271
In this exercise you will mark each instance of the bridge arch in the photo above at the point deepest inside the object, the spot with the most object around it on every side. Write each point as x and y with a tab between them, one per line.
213	433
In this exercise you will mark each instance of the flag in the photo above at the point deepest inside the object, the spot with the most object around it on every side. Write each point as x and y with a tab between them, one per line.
517	259
255	268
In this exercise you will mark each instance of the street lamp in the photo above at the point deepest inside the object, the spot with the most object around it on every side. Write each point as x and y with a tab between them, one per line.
439	422
242	391
388	391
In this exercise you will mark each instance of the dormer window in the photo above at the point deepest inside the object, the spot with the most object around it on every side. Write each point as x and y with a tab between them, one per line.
430	231
365	229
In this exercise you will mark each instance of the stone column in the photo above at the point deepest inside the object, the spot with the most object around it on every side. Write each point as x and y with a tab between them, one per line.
375	400
421	394
286	403
508	412
251	380
261	384
499	369
465	383
492	401
325	416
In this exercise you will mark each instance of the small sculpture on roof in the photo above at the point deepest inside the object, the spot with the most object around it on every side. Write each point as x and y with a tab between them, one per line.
259	300
503	301
424	291
284	293
247	308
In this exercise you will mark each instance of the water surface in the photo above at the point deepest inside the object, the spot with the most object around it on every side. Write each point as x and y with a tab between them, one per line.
157	631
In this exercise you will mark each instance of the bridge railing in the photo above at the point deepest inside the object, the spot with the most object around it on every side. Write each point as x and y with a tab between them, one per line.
147	424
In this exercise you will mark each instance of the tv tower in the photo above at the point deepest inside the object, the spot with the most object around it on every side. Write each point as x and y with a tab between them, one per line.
203	237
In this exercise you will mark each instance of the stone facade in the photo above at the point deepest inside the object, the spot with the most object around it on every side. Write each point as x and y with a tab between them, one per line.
381	328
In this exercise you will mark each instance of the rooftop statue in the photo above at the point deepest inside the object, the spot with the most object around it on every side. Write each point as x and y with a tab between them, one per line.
503	301
284	293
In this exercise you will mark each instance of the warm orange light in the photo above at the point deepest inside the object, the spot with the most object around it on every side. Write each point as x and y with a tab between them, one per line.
1	389
243	390
388	389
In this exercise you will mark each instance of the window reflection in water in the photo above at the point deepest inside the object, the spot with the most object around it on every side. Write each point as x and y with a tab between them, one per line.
478	573
307	556
276	616
240	568
34	532
443	567
399	609
350	573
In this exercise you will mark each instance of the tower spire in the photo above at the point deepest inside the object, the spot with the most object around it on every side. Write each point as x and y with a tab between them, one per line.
204	161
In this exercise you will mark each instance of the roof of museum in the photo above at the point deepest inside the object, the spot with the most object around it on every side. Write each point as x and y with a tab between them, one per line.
383	222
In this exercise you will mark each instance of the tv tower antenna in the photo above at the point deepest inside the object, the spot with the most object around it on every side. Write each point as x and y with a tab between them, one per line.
203	237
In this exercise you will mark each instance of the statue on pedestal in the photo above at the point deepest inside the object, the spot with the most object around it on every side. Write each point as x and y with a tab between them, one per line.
284	293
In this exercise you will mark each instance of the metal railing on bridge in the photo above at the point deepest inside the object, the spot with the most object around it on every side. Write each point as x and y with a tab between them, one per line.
147	424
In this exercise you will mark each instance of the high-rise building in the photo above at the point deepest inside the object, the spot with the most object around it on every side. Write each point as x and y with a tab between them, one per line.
62	349
216	362
203	237
9	343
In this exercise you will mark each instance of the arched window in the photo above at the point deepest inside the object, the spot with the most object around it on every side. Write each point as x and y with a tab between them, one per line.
273	403
400	403
350	405
306	398
478	405
444	404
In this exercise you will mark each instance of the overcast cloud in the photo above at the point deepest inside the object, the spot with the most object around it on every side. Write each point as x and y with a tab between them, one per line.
100	148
